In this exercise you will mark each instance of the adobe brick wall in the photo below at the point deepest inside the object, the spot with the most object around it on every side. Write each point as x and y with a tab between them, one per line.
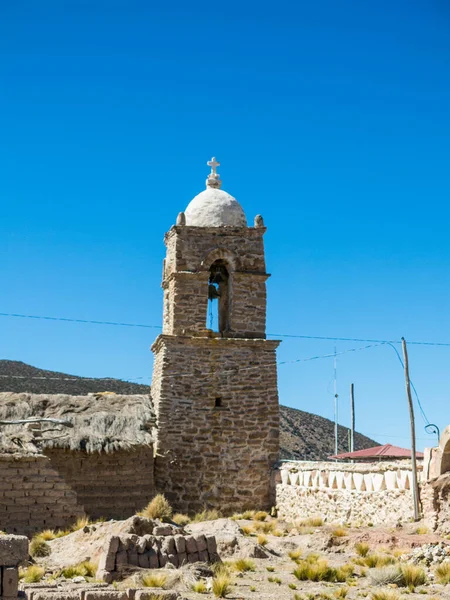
114	485
34	496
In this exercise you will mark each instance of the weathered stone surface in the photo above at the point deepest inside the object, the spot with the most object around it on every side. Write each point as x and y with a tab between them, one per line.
191	544
104	575
211	544
105	595
192	558
162	530
144	561
13	550
182	559
66	595
200	540
121	558
168	545
180	543
10	582
141	545
159	593
203	556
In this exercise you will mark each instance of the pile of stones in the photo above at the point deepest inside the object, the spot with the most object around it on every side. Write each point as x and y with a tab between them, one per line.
165	547
429	554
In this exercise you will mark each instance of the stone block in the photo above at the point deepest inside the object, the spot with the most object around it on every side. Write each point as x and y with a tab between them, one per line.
182	558
149	541
13	550
180	543
200	540
211	544
121	558
144	561
141	545
133	558
67	595
168	545
162	558
104	575
193	558
173	559
203	556
10	582
162	530
153	558
105	595
160	594
191	545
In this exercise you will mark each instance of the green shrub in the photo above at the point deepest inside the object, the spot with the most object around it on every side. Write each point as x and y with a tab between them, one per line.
244	564
39	547
32	574
442	573
413	576
362	549
84	569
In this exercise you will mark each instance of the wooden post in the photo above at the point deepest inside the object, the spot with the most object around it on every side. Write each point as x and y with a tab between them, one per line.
352	412
415	488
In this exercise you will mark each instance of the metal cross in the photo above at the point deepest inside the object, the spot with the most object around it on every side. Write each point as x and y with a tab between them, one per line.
213	164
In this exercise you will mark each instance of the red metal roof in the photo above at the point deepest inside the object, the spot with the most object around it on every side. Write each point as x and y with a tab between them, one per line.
386	451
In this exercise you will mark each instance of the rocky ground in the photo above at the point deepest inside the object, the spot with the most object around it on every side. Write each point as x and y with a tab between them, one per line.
260	556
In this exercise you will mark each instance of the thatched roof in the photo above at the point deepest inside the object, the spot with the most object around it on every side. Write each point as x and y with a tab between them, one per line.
101	422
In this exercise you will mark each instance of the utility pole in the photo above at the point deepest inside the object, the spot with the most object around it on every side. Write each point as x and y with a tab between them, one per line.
336	408
352	412
415	487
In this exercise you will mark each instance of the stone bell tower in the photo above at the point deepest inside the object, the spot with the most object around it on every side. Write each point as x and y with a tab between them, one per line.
215	391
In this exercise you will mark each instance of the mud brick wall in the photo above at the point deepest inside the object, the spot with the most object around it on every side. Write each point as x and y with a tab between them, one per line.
34	496
208	455
153	551
114	485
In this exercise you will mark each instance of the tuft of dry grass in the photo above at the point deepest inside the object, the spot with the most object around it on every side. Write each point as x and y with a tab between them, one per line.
181	519
295	554
243	564
84	569
375	560
38	547
386	576
362	549
339	532
442	573
341	592
154	580
206	515
157	508
80	523
310	522
47	535
320	570
422	530
413	576
385	595
262	539
221	586
260	515
32	574
199	587
265	526
248	515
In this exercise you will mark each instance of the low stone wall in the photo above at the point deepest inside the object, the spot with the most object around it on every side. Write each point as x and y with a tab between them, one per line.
152	551
376	493
34	496
97	591
111	485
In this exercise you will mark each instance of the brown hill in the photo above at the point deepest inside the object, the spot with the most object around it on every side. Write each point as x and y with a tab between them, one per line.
303	435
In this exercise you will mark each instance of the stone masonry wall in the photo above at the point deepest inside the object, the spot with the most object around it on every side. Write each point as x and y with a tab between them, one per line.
13	553
209	455
114	485
190	253
152	551
34	496
377	493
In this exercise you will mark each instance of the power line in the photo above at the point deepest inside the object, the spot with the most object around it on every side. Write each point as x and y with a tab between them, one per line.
282	335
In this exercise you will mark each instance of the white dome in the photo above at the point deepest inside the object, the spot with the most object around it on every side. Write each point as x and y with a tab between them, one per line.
215	208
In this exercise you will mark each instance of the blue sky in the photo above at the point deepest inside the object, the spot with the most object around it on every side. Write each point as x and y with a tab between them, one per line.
331	119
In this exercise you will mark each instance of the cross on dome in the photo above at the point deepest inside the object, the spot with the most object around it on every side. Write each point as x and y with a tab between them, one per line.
213	163
213	180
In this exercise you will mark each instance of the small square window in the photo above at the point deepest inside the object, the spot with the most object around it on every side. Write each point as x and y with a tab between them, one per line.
218	402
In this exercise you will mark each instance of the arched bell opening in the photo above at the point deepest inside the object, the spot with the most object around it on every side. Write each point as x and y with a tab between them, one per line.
218	317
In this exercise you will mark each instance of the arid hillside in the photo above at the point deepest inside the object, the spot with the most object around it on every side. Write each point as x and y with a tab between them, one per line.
303	435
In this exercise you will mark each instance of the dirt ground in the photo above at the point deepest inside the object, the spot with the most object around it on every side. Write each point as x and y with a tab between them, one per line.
271	550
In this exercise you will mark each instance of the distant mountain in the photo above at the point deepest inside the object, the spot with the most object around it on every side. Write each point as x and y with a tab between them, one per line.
303	435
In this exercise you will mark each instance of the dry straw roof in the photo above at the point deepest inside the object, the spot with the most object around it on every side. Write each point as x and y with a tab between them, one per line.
102	422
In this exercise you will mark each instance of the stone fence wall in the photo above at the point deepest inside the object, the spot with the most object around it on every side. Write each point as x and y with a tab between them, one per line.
111	485
345	492
34	496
